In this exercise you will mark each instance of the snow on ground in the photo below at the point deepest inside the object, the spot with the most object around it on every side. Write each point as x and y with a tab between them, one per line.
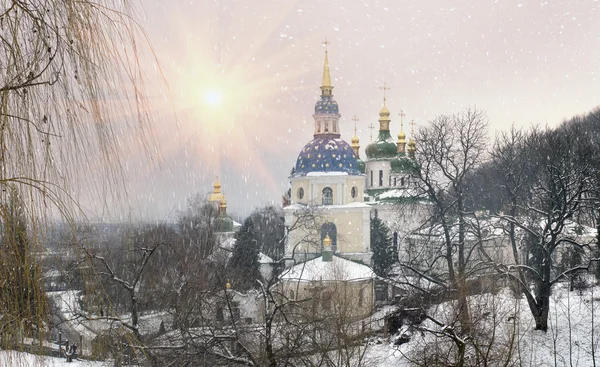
569	341
22	359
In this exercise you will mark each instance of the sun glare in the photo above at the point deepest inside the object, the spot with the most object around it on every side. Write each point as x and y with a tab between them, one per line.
213	98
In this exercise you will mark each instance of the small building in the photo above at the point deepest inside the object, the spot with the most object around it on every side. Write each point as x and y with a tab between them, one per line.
330	285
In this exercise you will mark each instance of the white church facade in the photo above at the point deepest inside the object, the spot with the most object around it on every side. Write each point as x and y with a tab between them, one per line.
334	193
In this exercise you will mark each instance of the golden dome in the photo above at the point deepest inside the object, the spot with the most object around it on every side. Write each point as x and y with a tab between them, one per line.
327	241
216	194
401	136
412	145
384	112
223	203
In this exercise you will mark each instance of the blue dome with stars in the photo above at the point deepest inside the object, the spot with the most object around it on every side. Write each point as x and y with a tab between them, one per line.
326	155
326	105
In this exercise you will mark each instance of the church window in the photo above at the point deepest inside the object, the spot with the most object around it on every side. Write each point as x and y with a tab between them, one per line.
326	127
300	193
402	182
390	181
395	182
318	126
327	196
371	178
380	177
354	192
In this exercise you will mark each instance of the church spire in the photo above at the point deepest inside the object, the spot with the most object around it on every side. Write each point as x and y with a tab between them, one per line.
327	113
412	146
401	135
326	87
355	142
384	114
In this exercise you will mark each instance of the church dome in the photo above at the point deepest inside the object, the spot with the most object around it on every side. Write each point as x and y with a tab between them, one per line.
326	155
326	104
383	147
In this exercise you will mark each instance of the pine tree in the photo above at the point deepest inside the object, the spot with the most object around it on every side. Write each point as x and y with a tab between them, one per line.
244	266
384	254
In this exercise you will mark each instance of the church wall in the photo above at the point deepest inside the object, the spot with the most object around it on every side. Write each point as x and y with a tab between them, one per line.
352	225
375	167
348	299
341	186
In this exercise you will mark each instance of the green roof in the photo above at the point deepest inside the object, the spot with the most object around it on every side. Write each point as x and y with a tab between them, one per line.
383	147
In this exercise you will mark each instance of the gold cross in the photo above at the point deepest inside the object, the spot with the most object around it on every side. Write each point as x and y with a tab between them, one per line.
325	43
355	119
384	88
401	119
371	127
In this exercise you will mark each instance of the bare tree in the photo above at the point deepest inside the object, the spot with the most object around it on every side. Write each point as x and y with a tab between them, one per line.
545	180
69	71
130	280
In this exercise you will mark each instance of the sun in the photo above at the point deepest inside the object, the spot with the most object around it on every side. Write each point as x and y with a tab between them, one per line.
213	98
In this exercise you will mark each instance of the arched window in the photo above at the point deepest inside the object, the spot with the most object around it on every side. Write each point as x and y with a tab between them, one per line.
300	193
329	229
327	196
354	192
380	177
402	182
371	178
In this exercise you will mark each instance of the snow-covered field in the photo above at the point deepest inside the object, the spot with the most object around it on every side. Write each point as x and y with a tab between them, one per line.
22	359
570	341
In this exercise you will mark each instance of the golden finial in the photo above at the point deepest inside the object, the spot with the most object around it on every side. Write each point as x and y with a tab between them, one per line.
411	143
217	186
384	114
227	285
326	87
355	137
401	134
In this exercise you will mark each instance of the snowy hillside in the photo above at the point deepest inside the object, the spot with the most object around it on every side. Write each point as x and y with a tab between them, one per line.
572	340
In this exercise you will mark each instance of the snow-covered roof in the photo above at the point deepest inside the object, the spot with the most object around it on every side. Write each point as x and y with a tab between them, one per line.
338	269
323	173
398	193
264	259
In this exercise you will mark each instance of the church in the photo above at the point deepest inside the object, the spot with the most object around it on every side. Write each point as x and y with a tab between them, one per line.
334	193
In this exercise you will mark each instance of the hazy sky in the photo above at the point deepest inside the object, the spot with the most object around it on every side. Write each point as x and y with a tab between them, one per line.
244	76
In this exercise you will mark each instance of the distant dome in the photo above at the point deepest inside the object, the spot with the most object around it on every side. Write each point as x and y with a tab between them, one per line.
326	104
326	155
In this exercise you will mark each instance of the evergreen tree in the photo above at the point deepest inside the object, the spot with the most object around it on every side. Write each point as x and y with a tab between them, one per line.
244	266
384	254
